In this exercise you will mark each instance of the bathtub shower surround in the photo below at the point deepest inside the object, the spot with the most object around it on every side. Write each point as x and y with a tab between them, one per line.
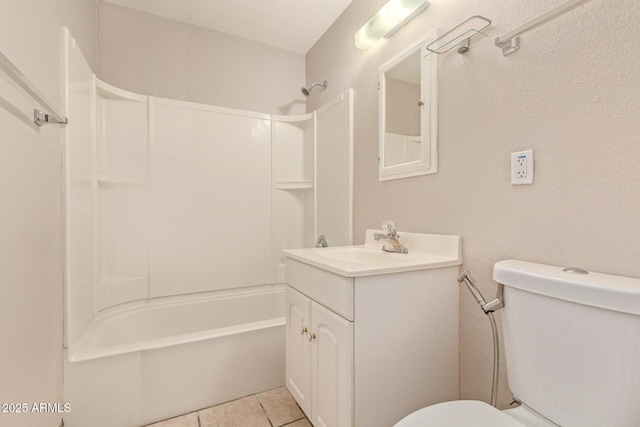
160	322
175	218
162	358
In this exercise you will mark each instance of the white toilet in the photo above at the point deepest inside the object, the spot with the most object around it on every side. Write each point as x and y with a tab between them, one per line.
572	343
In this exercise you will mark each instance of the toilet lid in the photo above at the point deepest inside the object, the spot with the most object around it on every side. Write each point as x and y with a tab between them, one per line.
459	413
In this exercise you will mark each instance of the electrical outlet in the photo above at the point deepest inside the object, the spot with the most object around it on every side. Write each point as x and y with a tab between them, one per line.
522	167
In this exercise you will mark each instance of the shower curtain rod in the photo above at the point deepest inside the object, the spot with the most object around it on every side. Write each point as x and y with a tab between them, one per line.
39	117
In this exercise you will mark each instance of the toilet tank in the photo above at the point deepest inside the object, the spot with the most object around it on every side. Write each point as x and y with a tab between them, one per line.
572	343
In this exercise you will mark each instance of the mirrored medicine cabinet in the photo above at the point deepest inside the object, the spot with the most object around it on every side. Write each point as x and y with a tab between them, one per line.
409	112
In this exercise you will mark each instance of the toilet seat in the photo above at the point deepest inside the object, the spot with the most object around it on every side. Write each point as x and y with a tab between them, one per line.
459	413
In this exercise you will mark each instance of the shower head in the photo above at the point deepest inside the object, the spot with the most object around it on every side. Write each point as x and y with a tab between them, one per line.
307	89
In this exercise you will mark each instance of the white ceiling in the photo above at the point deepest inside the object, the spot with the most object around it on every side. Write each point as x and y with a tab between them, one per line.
293	25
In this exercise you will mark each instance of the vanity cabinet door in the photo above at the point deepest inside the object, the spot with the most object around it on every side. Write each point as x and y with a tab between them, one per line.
332	368
298	351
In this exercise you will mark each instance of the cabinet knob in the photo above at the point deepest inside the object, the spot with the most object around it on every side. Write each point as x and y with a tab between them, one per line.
311	337
303	330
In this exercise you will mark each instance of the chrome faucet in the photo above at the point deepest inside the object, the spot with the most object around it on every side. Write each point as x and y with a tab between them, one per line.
390	241
322	241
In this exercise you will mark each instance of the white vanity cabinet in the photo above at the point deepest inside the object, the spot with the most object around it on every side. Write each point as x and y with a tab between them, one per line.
319	360
366	347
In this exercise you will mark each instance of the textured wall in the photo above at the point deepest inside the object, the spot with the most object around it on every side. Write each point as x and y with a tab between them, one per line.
156	56
571	94
31	206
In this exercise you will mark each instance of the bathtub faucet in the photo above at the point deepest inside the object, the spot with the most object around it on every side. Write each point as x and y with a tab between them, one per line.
322	241
390	241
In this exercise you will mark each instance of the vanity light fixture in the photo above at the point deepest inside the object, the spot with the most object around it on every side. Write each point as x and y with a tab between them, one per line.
388	20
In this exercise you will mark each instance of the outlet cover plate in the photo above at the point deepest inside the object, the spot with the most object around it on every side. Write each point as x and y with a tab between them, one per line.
522	167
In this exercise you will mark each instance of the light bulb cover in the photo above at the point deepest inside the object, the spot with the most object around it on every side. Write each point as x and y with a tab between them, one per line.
388	20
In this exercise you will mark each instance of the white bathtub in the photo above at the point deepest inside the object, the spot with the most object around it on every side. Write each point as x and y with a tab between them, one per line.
147	361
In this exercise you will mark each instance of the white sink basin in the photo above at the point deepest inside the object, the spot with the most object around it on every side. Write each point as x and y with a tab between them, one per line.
364	255
425	251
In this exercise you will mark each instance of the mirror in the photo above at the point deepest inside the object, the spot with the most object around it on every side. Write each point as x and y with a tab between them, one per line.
408	112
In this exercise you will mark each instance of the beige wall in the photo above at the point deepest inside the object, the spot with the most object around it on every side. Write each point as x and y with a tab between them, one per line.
31	206
151	55
571	94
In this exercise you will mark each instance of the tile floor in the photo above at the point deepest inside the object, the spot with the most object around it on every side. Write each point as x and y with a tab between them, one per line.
272	408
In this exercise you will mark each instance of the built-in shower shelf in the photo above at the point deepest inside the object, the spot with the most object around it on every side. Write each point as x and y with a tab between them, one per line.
115	281
107	91
298	120
115	178
294	185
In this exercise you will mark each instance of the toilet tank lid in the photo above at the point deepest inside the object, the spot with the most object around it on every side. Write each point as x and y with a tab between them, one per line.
606	291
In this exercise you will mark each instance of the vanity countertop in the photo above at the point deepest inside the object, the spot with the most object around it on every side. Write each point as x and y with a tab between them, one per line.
425	251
